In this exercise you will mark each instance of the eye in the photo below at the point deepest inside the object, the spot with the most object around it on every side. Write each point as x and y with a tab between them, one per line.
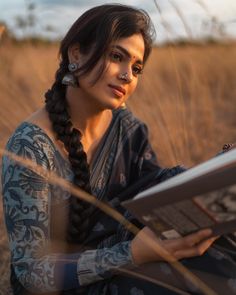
115	56
137	70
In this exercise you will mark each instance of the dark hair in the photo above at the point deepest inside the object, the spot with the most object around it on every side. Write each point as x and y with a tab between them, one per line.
97	28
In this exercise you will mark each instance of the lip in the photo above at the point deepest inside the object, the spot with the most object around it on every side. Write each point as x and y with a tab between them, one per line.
118	89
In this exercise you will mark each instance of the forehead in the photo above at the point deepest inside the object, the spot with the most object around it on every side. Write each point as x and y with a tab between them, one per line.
134	45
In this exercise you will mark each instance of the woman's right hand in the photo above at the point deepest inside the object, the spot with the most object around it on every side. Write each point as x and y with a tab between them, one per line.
143	247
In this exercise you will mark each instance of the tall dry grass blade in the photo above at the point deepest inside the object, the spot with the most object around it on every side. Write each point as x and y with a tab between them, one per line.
169	32
182	18
173	150
180	102
165	24
203	5
183	108
217	26
54	179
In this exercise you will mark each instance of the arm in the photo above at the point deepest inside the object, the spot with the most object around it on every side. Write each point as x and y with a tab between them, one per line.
27	198
147	172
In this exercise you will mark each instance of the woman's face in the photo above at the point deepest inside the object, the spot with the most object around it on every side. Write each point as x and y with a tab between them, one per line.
125	57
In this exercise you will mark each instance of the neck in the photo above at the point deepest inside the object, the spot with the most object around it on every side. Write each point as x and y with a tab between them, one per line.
86	115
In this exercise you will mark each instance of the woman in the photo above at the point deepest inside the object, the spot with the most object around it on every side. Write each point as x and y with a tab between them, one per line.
87	136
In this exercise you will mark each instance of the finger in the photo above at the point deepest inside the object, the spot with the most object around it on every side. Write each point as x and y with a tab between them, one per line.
206	244
197	237
189	241
196	250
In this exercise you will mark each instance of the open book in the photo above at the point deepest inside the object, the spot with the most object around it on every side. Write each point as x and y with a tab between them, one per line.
201	197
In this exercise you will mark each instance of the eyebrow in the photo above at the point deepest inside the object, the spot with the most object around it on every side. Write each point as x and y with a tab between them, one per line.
126	52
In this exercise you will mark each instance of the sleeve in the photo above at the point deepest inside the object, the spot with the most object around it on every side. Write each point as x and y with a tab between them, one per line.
26	199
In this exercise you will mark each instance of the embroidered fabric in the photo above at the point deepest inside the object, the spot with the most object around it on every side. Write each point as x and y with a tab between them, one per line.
30	205
35	212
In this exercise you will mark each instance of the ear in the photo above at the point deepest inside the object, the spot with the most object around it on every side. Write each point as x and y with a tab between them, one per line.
74	53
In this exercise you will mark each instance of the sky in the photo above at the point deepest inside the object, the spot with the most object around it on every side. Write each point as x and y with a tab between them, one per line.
54	17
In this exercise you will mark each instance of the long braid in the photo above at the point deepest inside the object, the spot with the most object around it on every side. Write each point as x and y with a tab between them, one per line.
57	108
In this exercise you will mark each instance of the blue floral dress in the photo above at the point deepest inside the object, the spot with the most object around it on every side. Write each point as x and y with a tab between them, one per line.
36	214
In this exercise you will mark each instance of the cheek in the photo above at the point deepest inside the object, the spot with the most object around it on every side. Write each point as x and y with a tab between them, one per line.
133	86
85	81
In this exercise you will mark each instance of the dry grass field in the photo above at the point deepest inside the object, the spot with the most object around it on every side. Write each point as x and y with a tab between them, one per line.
187	97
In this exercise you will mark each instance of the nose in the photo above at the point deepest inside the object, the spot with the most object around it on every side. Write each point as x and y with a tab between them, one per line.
126	76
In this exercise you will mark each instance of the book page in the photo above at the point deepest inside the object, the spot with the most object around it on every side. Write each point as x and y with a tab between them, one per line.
205	168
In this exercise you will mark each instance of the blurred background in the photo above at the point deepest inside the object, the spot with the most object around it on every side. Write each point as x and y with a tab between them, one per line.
182	18
187	94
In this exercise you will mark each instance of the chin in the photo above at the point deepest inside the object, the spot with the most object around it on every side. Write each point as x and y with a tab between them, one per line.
112	105
108	102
